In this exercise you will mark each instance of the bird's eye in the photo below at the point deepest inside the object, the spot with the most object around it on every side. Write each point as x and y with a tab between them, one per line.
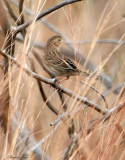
59	39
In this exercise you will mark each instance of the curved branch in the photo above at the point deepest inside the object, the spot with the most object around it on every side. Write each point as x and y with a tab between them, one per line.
44	13
50	106
59	87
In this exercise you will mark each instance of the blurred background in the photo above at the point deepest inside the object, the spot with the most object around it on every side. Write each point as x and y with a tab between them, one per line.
94	29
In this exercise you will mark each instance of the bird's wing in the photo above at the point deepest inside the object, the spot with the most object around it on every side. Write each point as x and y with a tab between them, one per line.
57	58
65	63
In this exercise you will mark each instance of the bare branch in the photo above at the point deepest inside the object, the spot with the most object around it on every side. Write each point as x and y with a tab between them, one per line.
44	13
60	87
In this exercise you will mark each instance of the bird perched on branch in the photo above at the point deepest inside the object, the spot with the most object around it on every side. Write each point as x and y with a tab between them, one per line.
56	63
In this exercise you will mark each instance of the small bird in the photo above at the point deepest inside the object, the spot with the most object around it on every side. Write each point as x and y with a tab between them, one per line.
56	63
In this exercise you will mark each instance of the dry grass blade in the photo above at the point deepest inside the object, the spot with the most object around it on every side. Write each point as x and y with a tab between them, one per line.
44	119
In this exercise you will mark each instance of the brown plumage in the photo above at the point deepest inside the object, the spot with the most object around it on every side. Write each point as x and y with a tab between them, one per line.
58	65
55	62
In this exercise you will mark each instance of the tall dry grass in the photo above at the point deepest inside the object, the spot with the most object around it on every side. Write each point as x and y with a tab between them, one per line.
82	132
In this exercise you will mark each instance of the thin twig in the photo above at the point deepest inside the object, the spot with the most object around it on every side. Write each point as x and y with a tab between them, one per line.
50	106
62	100
58	119
45	138
97	92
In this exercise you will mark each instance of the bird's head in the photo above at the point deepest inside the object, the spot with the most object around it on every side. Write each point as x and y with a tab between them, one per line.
54	41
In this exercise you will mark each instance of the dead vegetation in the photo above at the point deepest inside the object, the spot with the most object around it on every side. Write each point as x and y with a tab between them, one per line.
41	119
